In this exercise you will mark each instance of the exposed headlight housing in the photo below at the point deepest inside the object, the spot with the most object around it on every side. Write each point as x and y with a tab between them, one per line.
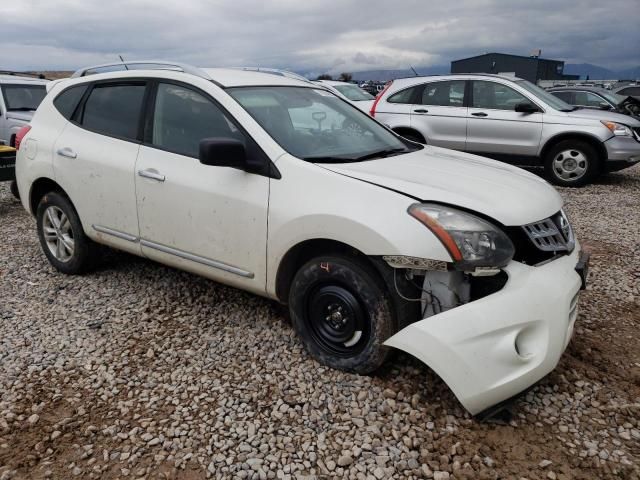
618	129
471	241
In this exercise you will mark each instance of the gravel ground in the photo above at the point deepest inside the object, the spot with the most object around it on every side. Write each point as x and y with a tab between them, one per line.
140	371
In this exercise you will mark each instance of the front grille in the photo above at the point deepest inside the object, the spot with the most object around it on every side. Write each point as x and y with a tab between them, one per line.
542	241
636	133
552	234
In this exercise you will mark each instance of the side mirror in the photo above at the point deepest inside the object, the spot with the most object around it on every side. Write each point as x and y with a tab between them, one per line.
604	106
525	107
223	152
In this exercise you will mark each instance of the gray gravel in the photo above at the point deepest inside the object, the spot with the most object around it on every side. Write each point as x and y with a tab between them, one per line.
140	371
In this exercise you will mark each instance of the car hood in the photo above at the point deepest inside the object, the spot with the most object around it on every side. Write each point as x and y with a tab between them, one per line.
510	195
588	113
21	116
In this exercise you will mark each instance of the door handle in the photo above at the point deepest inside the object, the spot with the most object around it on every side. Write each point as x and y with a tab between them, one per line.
67	152
479	114
152	174
421	110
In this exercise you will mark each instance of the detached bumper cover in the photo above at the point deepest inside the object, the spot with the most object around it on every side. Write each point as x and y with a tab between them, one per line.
491	349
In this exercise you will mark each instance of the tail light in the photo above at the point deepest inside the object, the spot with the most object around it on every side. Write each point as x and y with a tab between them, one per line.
372	112
20	135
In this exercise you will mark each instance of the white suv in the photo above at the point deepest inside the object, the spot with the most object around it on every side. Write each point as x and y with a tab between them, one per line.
372	241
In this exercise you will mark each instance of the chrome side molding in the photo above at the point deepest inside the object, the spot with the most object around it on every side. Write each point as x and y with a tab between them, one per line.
115	233
196	258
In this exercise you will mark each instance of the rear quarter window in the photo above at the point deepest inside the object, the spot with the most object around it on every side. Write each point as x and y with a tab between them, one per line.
67	101
405	96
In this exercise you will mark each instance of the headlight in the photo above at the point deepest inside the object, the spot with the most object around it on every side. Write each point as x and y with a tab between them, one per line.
617	128
471	241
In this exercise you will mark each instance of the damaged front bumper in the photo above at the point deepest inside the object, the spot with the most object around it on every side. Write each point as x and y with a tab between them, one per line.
493	348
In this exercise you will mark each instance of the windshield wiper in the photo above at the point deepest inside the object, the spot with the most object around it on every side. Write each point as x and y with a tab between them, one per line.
21	109
382	153
572	109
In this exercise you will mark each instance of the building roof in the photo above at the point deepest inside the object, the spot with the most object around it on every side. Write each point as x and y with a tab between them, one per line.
507	55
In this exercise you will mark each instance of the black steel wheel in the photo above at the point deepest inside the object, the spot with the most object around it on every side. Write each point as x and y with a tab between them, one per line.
342	312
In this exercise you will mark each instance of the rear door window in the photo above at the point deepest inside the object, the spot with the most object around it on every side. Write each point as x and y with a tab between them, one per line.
68	100
405	96
444	94
114	109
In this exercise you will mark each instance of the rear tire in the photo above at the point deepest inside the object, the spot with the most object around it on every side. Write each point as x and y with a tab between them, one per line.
62	237
571	163
342	313
14	189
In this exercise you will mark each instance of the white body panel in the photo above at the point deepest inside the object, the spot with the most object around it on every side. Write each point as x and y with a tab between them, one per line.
216	213
100	182
470	181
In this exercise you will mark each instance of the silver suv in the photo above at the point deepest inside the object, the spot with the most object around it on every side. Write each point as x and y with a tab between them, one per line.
513	120
20	95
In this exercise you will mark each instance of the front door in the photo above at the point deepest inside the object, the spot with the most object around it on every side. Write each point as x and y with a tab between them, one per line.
495	127
440	114
206	219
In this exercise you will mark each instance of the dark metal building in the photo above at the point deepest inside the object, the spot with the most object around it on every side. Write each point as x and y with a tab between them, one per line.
529	68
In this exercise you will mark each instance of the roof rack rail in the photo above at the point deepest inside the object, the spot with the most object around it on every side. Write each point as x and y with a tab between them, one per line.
144	65
276	71
39	76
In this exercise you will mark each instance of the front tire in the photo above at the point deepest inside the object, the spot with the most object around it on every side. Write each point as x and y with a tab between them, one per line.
571	163
342	313
62	237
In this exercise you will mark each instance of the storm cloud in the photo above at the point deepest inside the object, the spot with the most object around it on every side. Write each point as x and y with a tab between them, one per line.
314	36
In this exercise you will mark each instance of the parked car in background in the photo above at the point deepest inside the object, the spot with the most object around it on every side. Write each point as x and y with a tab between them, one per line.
20	95
598	99
371	240
632	90
7	168
513	120
349	91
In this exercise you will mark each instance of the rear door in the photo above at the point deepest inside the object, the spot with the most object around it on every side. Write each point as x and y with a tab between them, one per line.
394	110
95	156
495	127
440	114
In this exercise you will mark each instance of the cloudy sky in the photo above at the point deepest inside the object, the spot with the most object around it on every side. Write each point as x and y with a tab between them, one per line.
314	35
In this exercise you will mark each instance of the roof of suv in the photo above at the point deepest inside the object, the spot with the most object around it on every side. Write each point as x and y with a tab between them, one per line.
223	77
454	76
13	79
578	87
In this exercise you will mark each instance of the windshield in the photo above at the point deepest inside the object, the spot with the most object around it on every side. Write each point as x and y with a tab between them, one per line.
546	97
353	93
613	97
23	97
316	125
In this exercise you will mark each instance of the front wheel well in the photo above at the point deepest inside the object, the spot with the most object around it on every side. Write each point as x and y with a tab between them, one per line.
594	142
12	140
304	251
39	189
411	133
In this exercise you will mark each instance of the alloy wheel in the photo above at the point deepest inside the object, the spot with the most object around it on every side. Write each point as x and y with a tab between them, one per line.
570	164
58	233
